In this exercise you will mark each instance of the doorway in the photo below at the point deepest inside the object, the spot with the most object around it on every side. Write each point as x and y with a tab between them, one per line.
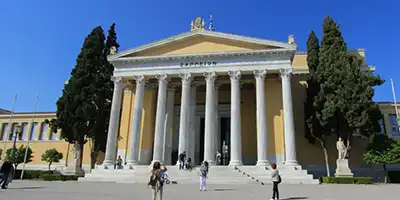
225	135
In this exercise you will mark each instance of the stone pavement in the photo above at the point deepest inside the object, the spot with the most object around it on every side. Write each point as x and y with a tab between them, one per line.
38	190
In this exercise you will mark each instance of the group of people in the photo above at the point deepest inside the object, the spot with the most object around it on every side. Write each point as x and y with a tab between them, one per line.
185	163
158	177
6	174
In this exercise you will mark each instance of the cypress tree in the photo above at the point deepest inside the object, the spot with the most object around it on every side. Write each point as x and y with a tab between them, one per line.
77	111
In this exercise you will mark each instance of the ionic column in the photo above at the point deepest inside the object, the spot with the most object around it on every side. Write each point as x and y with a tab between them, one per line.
184	117
111	146
236	135
160	118
170	119
133	156
192	130
290	140
217	128
209	133
262	155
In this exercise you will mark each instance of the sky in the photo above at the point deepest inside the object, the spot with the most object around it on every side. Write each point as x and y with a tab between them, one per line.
40	39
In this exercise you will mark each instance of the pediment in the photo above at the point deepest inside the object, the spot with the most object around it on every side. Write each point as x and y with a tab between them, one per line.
202	41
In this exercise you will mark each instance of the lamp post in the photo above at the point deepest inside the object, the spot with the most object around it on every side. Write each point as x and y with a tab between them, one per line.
16	134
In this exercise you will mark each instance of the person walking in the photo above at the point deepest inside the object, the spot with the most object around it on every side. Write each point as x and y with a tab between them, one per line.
5	174
182	158
156	182
276	179
203	176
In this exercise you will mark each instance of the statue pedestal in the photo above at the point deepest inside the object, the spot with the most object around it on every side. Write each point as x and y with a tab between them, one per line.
74	169
342	168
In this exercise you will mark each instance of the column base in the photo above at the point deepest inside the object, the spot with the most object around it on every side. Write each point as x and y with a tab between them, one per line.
291	163
107	164
131	164
235	163
262	163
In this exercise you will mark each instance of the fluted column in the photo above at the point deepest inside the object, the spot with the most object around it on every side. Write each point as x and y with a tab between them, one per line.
111	146
170	124
184	116
133	156
209	134
192	129
290	140
262	137
160	118
217	134
236	133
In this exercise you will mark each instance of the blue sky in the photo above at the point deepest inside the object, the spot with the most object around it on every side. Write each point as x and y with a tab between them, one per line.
40	39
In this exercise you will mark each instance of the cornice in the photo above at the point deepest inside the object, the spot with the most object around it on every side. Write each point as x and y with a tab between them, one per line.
144	59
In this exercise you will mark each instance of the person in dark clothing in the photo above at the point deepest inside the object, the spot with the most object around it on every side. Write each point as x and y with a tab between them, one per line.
182	158
5	173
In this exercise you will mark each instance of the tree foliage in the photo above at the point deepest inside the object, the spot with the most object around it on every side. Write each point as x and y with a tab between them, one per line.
383	151
344	104
51	156
18	155
83	110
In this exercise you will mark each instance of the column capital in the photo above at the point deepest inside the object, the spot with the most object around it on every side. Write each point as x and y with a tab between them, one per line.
162	78
260	74
210	76
116	79
186	78
286	72
234	75
140	80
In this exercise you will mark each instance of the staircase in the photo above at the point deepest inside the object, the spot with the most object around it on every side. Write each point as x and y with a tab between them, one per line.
216	175
289	175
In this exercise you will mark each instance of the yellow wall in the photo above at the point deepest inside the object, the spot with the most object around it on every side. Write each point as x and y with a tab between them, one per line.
40	146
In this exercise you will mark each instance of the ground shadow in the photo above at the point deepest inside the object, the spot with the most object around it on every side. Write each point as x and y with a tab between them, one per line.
293	198
26	188
223	189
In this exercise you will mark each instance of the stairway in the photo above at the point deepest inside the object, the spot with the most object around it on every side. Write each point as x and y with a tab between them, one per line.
289	175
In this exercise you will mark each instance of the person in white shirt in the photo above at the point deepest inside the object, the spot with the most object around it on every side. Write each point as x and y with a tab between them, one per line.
276	179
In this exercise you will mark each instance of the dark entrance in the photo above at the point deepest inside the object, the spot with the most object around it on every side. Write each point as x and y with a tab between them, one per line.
225	136
202	130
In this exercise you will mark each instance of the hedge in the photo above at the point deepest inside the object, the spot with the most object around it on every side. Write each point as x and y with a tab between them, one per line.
43	175
394	176
347	180
58	177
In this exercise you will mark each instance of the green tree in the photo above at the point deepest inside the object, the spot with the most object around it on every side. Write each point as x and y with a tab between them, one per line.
77	111
18	155
344	103
383	150
51	155
313	127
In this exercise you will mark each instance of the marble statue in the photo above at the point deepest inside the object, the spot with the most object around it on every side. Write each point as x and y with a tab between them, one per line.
341	147
76	150
291	39
113	50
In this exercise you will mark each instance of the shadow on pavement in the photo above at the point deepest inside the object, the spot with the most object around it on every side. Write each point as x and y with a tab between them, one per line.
25	188
223	190
293	198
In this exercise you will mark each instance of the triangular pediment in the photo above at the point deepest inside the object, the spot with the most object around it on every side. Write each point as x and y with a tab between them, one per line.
202	41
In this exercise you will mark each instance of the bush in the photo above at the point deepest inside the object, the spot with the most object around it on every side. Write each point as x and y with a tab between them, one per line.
29	174
58	177
347	180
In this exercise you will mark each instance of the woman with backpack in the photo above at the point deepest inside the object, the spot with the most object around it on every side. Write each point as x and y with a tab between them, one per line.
156	182
276	179
203	175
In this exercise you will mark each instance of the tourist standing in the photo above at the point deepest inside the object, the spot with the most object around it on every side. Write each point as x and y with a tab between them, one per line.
276	179
203	176
218	158
156	182
6	172
182	158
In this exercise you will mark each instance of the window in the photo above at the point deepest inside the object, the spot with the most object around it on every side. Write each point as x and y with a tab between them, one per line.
14	130
24	132
43	132
4	132
383	128
394	127
34	128
53	136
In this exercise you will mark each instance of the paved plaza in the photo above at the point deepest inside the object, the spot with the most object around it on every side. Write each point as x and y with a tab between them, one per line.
39	190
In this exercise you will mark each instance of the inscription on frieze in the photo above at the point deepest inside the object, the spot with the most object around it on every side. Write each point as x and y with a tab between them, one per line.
199	64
